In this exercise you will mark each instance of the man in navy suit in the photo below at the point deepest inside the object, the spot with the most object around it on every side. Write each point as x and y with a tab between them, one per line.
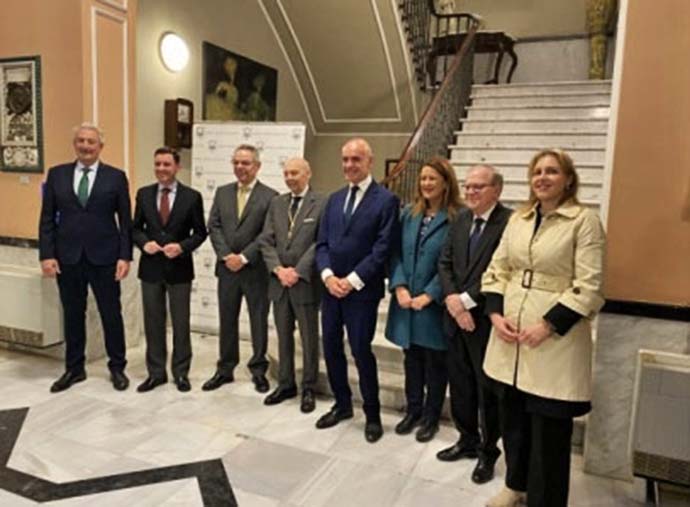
82	244
168	227
357	230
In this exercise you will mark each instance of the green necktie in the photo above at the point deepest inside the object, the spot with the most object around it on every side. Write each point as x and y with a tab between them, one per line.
83	190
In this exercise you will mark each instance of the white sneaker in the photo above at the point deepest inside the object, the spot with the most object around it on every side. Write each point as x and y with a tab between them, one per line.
508	498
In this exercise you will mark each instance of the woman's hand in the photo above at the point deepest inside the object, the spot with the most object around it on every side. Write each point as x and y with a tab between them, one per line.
403	296
533	336
420	301
506	330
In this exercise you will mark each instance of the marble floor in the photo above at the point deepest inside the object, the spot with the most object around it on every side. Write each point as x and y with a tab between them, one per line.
92	445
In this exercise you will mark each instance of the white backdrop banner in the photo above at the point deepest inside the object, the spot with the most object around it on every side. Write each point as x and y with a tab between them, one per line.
213	145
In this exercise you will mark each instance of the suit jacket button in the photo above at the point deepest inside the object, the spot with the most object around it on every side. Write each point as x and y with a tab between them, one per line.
576	290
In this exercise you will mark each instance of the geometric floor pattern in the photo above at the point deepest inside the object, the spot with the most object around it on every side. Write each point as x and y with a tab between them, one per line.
94	446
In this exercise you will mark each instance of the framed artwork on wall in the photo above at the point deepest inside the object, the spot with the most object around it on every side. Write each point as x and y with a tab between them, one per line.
237	88
21	125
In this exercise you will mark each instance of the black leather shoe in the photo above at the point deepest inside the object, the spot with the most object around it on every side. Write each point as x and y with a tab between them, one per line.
484	471
333	417
461	449
280	395
408	423
119	380
426	431
182	383
150	383
261	383
67	379
216	381
373	431
308	401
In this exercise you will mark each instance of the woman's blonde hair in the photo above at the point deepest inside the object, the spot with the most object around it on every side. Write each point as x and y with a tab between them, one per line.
451	201
567	166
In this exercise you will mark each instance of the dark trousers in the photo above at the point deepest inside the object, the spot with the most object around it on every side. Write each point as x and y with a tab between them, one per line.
425	370
285	311
155	316
359	319
73	283
474	406
537	451
230	292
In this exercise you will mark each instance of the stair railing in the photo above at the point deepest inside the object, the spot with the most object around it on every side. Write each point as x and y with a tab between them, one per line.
423	23
436	127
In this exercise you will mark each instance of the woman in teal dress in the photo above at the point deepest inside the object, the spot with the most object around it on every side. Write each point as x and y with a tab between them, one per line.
415	316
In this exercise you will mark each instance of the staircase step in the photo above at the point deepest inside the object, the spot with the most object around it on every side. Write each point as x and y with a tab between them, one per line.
589	174
561	99
522	154
602	86
563	140
538	113
536	125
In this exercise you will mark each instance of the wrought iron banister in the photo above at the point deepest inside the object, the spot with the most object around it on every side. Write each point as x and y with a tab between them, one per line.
435	129
423	24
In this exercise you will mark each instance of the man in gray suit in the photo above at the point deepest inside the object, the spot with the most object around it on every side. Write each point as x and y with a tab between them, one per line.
287	245
234	225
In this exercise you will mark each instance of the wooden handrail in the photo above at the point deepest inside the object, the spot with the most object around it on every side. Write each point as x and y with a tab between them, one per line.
432	107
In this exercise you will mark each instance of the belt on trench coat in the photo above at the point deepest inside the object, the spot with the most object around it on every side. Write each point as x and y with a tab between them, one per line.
530	279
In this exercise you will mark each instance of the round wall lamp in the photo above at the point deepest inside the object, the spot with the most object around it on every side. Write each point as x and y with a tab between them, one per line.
174	52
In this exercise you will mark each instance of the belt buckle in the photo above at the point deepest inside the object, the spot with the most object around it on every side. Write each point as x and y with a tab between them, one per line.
527	278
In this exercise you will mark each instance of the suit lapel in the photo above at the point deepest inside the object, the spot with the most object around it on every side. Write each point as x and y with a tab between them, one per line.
488	234
367	199
247	205
178	203
151	202
304	210
69	183
438	221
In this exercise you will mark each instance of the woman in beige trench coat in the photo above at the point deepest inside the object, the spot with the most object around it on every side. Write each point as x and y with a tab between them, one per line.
543	287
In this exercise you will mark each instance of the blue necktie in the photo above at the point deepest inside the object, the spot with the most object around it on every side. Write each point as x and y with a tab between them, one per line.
350	204
474	237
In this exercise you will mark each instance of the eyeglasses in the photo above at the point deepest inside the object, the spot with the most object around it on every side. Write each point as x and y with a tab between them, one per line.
476	188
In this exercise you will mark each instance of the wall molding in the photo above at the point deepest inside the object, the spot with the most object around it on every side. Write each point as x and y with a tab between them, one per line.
312	81
290	66
120	6
95	13
411	76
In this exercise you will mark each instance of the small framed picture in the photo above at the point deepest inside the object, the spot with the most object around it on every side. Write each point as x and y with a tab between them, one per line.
21	125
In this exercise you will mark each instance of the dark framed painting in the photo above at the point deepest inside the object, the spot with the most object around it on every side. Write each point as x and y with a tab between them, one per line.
237	88
21	124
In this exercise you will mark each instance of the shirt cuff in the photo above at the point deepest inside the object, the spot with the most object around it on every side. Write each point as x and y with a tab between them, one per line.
326	273
355	281
467	301
562	318
245	261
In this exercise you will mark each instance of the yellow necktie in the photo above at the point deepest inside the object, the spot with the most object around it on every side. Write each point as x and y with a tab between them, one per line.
241	199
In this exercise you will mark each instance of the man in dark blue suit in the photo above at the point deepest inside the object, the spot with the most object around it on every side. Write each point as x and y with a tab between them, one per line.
357	230
82	243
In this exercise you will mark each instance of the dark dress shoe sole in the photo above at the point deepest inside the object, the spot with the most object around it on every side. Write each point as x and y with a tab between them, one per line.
62	386
406	426
372	434
214	383
330	419
183	386
147	385
279	397
307	407
482	475
261	385
426	434
452	455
